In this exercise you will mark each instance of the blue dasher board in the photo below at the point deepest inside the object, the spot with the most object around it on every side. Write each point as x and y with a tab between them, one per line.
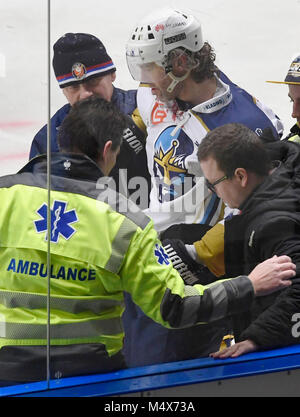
275	372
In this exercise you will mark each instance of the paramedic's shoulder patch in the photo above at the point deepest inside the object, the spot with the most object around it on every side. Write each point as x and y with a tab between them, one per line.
162	257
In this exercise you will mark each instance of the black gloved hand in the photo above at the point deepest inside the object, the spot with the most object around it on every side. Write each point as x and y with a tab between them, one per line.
189	270
188	233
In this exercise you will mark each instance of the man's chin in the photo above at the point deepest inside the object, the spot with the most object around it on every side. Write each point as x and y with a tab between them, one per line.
156	92
161	96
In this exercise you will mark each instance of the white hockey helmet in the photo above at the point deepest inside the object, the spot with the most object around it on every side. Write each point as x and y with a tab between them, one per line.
158	34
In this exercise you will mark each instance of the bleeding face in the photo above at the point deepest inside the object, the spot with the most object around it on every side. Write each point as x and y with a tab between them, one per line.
159	81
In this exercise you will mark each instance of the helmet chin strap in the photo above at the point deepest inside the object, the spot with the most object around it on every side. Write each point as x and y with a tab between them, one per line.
176	80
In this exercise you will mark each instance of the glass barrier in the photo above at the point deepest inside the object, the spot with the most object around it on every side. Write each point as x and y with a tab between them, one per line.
23	109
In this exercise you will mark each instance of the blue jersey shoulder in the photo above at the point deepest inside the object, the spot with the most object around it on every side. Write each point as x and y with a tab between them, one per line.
241	109
125	100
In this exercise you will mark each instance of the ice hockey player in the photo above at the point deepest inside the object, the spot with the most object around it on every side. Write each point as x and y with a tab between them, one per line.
182	96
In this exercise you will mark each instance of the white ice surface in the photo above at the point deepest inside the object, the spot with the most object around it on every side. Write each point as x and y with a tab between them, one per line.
254	42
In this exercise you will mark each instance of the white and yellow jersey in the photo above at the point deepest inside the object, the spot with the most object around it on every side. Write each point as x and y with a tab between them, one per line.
179	194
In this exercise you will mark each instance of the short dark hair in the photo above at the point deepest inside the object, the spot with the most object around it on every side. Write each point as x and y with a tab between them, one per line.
89	125
235	146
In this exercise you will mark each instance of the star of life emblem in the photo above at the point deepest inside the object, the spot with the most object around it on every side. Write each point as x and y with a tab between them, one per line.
162	257
61	221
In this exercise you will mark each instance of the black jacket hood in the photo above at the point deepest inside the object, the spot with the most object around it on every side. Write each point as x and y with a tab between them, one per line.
279	189
67	165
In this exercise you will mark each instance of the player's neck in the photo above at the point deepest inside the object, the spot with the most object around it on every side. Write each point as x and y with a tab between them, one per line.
197	93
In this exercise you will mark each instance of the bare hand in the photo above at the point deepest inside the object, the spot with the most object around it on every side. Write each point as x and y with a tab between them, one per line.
272	275
235	350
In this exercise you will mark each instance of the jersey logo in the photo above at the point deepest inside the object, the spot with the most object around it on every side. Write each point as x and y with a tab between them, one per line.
170	153
158	115
159	27
162	257
60	221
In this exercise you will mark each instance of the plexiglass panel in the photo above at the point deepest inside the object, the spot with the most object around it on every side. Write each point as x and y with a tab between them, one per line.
23	109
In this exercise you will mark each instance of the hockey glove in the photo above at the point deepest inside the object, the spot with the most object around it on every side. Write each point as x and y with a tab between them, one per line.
190	271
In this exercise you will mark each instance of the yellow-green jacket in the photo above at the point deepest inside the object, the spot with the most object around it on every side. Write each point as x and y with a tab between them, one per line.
101	245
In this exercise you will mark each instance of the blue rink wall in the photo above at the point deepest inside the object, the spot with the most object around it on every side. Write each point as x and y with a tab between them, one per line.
269	373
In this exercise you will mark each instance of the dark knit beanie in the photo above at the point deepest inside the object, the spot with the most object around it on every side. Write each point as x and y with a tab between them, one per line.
79	56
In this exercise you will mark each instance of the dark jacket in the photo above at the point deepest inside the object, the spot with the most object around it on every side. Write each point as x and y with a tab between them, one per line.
132	155
269	224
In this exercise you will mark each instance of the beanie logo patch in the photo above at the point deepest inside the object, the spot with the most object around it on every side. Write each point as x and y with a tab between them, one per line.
78	71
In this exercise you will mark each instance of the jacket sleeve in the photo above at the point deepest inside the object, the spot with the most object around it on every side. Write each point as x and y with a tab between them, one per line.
39	143
148	275
210	249
277	123
273	325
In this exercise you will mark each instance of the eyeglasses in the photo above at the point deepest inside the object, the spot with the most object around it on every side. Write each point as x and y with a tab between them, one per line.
211	186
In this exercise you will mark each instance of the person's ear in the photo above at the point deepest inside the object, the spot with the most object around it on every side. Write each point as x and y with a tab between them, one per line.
113	76
106	150
104	159
179	65
241	176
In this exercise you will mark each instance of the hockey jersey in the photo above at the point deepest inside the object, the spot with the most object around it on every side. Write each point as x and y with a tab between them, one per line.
175	130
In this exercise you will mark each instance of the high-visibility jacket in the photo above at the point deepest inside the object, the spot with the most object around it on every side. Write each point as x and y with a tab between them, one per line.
101	245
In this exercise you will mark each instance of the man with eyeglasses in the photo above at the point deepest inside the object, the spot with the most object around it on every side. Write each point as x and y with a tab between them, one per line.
211	186
238	168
